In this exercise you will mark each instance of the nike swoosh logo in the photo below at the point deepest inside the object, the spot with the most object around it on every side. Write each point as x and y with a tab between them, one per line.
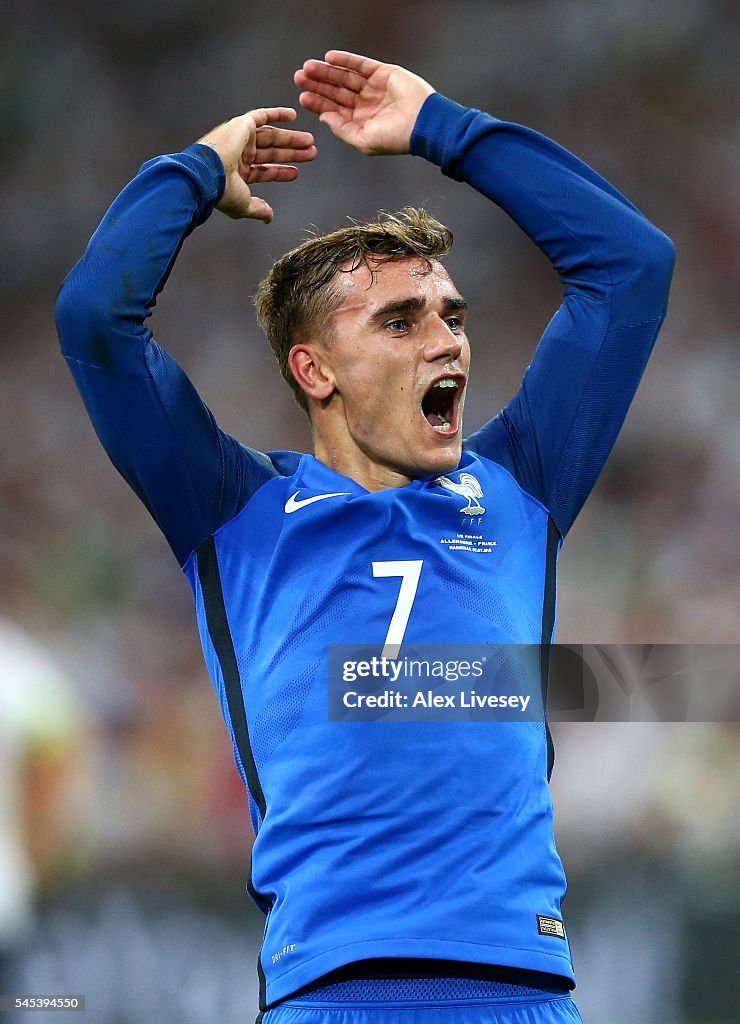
292	504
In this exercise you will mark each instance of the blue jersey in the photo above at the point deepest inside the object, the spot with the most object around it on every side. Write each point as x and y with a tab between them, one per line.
379	840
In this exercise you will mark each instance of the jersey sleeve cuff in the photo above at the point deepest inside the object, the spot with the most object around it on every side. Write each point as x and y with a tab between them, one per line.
203	166
443	131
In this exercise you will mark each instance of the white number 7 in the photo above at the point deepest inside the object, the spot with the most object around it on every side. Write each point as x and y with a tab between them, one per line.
409	573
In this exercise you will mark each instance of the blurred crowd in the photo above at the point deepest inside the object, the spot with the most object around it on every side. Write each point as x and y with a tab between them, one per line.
131	790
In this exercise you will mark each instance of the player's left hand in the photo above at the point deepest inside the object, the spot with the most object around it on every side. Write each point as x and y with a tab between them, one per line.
368	104
252	150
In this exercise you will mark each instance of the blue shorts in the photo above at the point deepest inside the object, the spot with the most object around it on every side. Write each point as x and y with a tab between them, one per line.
427	1001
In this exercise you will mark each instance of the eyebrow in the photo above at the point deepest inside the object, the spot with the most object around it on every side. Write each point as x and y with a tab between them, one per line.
414	304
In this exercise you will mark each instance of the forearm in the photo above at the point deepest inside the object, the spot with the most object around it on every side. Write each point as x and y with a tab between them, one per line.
156	430
557	432
601	246
107	297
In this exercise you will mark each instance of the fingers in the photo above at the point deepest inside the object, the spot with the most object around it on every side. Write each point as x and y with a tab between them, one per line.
278	146
239	203
259	209
363	66
234	137
271	172
336	122
317	104
330	114
344	77
275	155
253	150
268	135
341	97
262	115
317	75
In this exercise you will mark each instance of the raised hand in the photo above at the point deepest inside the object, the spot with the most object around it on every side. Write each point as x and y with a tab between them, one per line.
367	104
252	150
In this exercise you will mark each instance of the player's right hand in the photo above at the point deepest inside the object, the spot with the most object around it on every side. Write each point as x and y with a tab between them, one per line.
253	150
367	104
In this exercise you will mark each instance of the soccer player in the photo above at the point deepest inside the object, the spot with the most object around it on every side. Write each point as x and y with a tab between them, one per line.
398	865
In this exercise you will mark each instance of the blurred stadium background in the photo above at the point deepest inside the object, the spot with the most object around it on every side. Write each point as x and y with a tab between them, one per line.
124	833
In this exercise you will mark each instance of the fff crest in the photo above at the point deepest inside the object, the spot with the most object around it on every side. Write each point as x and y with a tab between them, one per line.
467	488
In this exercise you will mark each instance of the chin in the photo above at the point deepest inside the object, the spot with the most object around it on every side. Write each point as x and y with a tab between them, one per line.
442	461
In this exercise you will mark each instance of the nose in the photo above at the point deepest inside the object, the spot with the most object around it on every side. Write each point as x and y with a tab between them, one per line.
440	342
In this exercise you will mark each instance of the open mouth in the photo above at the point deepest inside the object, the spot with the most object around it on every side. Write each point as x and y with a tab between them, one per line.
440	404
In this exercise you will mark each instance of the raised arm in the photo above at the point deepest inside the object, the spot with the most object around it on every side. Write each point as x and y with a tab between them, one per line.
156	430
557	432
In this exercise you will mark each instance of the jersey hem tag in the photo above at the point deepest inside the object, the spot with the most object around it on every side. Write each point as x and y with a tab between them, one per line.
550	926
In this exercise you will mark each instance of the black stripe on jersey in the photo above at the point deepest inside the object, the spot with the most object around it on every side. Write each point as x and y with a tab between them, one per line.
218	629
223	644
548	624
265	906
262	983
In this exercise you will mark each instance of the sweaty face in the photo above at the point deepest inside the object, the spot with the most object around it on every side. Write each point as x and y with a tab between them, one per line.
400	361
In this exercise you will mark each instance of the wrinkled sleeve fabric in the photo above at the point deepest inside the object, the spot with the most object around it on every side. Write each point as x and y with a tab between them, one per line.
158	433
557	432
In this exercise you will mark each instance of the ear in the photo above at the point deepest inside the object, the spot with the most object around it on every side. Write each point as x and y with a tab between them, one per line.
310	368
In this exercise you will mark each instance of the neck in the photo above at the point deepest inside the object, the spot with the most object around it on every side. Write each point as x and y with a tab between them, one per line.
358	466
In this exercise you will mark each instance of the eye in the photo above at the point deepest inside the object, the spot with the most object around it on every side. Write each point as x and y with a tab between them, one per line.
455	323
398	326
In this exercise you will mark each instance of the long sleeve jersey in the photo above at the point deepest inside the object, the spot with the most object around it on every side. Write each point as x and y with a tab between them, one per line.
380	838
